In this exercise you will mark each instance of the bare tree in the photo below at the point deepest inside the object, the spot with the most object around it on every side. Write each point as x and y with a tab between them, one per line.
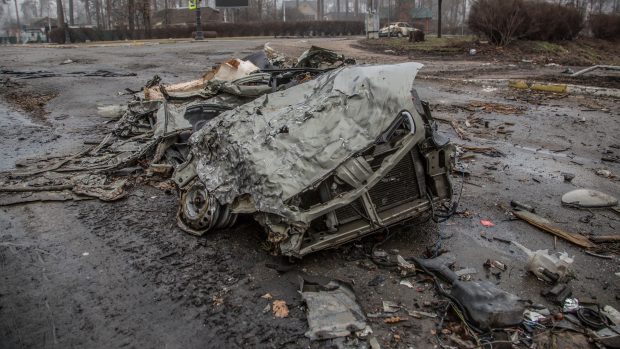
19	27
131	15
71	20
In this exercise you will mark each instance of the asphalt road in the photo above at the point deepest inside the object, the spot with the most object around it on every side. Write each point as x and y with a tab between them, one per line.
100	275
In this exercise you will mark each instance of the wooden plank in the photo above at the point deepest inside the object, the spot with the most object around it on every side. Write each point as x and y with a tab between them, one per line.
545	225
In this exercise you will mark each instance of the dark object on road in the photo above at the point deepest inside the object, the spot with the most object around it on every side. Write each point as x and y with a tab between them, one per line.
558	293
487	306
46	74
416	36
521	206
322	163
568	177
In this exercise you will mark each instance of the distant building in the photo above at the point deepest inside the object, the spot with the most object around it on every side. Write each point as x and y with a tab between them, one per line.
421	18
37	29
300	10
185	17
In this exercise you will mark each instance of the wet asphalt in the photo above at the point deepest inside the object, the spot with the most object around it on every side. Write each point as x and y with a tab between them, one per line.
94	274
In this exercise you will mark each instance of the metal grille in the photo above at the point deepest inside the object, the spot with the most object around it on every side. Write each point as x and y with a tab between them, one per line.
397	187
348	213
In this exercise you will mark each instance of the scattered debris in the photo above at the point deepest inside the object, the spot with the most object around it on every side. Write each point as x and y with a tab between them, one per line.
552	268
484	304
588	198
47	74
332	310
558	293
487	223
568	177
491	263
394	320
522	206
279	309
547	226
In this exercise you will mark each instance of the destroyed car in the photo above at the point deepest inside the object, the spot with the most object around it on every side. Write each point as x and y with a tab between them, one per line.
347	154
398	29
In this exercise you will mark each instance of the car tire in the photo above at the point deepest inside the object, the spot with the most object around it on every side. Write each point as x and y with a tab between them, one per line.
399	34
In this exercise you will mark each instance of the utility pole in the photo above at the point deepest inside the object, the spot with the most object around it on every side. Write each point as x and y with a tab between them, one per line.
439	18
199	33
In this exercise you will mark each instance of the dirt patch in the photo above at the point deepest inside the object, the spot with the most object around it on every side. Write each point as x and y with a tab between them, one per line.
25	98
578	52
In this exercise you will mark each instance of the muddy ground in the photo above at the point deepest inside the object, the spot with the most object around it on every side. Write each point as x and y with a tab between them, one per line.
95	274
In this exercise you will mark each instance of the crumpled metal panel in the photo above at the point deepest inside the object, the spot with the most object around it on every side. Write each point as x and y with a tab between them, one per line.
281	143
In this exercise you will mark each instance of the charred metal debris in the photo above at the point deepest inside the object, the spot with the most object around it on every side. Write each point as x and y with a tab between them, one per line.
319	150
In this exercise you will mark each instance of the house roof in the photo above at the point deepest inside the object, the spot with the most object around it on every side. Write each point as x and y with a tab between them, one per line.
421	13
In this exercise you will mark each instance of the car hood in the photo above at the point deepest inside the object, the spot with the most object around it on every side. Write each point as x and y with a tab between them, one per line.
279	144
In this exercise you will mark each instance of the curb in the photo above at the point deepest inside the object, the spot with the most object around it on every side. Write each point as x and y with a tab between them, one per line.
536	86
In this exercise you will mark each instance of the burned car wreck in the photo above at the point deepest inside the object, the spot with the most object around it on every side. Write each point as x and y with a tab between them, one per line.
318	150
349	153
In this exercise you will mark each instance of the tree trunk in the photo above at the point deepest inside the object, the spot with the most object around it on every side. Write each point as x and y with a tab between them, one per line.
357	8
19	27
166	21
146	17
71	20
108	13
439	18
40	8
89	18
131	15
60	17
337	9
97	14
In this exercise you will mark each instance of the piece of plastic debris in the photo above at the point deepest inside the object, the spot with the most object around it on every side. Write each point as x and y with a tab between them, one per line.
390	307
332	311
280	309
570	305
603	173
85	254
487	223
266	296
374	343
267	308
465	271
533	316
472	51
405	267
406	283
491	263
612	314
486	305
419	314
587	198
548	267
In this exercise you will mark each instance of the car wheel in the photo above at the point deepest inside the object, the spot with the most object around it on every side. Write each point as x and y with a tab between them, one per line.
399	34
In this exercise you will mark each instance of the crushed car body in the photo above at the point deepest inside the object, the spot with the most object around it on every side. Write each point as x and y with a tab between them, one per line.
349	153
318	150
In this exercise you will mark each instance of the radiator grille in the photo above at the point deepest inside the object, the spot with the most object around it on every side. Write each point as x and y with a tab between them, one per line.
397	187
348	213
